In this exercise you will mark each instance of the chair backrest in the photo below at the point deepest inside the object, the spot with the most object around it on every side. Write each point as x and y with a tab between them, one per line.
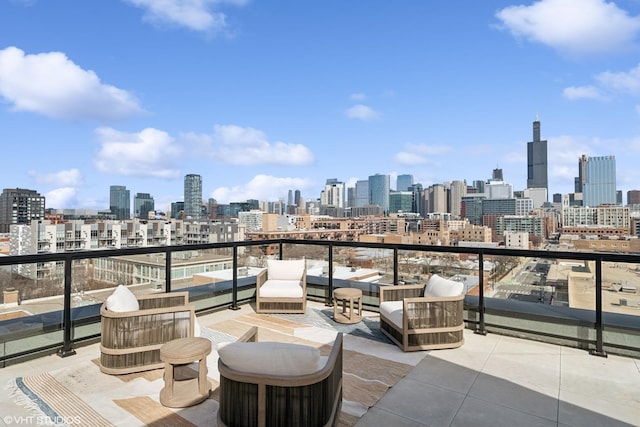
289	269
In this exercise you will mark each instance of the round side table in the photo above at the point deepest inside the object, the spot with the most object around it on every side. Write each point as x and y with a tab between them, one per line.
353	296
184	385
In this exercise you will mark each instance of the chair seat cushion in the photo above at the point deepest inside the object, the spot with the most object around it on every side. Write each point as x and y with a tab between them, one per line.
392	311
274	288
440	287
271	358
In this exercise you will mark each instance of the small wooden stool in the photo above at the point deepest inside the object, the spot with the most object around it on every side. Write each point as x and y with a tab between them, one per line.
183	385
344	294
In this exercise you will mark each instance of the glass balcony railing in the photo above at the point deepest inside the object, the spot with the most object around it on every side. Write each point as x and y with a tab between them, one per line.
51	302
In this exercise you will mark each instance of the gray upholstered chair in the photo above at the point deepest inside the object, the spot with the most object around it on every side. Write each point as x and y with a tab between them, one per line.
279	384
423	317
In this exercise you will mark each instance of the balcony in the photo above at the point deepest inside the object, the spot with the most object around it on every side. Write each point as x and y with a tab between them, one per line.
535	353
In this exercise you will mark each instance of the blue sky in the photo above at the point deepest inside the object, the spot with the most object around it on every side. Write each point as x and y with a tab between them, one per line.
260	97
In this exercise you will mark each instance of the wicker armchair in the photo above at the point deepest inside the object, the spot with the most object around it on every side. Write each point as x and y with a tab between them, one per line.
259	399
131	341
417	322
282	287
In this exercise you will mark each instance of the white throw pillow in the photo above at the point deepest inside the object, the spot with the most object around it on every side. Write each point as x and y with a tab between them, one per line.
440	287
122	299
270	358
286	269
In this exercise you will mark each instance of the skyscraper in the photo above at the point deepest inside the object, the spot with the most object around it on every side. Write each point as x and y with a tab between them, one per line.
403	182
537	160
120	201
143	203
379	188
192	196
599	185
362	193
19	206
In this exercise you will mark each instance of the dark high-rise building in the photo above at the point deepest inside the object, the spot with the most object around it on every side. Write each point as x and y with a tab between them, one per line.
379	188
192	196
20	206
120	201
177	210
537	160
143	203
497	175
633	197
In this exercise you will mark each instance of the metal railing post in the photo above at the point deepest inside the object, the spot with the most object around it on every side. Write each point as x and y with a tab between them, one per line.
330	276
395	266
167	270
280	249
480	329
234	289
599	350
67	349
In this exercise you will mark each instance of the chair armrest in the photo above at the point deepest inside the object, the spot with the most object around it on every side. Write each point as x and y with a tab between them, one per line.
250	336
400	292
261	278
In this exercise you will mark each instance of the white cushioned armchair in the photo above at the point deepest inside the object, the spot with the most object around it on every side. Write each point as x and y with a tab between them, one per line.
423	317
282	287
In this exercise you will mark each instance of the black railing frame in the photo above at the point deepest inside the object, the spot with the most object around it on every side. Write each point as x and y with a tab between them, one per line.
69	257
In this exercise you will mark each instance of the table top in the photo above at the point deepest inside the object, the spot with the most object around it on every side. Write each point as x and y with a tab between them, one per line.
184	350
347	293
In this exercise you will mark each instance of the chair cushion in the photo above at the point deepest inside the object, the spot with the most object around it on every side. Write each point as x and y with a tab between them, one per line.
121	300
439	287
270	358
281	289
392	311
287	269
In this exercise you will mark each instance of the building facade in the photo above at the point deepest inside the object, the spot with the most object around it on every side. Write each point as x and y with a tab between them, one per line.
379	188
537	160
143	203
20	206
120	201
599	185
192	196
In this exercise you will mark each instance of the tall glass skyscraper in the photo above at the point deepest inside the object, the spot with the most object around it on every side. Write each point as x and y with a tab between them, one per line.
362	193
403	182
120	201
379	188
192	196
599	185
143	203
537	160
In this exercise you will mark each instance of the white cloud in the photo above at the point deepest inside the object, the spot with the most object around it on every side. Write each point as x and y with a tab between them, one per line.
625	82
573	26
248	146
261	187
71	177
52	85
151	152
61	198
582	92
419	154
357	96
362	112
196	15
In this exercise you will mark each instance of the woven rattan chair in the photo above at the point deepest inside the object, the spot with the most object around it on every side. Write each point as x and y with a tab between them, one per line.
282	287
417	322
131	340
251	399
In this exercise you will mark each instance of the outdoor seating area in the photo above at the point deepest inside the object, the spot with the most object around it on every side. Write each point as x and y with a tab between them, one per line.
495	378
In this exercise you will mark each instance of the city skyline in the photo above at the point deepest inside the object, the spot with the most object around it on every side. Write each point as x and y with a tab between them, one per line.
260	98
